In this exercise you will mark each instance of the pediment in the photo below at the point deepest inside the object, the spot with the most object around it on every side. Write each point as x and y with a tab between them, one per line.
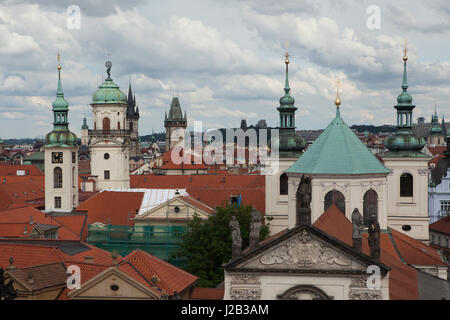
112	284
303	251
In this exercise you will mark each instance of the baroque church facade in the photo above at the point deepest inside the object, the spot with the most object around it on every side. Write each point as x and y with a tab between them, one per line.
346	174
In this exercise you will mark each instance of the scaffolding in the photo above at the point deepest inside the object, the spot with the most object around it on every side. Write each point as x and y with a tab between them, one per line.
158	240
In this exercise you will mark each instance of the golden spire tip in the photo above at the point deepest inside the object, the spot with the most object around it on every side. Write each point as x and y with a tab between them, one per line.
337	101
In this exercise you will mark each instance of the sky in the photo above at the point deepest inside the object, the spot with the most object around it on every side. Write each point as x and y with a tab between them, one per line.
223	59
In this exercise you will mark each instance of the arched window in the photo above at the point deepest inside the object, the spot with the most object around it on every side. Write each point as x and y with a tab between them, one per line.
131	126
335	197
118	125
106	124
406	185
370	206
57	177
284	184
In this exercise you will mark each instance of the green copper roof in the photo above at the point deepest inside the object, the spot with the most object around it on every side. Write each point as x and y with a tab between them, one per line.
107	93
337	151
84	126
1	141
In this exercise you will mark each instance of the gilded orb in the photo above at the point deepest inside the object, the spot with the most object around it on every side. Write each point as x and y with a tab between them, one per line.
405	58
286	61
337	102
59	67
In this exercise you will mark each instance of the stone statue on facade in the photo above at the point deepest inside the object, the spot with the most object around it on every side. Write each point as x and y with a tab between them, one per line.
374	238
255	227
304	201
358	227
236	238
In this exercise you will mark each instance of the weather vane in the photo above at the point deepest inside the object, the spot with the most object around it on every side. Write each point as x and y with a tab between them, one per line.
405	50
287	52
337	102
108	64
59	59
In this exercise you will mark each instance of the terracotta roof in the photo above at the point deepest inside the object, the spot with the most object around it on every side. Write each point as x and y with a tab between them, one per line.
397	251
14	221
442	225
109	207
207	293
22	193
11	170
437	150
170	277
41	276
213	190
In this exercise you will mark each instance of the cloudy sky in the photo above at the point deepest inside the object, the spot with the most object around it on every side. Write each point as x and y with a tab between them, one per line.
224	59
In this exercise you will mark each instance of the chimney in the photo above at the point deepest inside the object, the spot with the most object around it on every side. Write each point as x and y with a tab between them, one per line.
30	278
374	238
31	220
303	202
357	223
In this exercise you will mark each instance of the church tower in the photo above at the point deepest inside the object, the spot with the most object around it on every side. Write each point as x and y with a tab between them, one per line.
84	133
407	203
437	134
109	144
133	121
61	158
175	124
290	147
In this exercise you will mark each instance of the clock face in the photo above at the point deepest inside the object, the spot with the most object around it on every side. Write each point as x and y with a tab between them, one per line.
57	157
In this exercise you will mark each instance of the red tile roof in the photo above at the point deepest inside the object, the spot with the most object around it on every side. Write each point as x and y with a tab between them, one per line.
109	207
21	193
403	283
11	170
170	277
442	225
213	190
14	221
207	293
436	150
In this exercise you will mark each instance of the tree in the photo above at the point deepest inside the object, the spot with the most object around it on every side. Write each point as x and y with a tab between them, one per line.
206	245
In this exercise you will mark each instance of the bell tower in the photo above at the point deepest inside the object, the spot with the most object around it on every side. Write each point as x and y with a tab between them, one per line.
61	158
109	141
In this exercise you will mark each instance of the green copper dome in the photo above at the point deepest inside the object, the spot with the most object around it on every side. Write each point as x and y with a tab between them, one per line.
338	151
108	92
61	139
287	101
404	98
404	142
61	135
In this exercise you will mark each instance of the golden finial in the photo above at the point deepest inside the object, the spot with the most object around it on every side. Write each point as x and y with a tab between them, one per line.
287	53
59	59
405	50
337	101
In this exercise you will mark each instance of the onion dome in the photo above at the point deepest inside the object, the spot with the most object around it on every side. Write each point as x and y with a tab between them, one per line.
61	135
84	126
404	141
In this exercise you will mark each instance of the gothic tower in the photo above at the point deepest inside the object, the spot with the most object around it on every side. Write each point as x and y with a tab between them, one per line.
407	203
175	124
84	133
437	134
132	119
109	141
61	158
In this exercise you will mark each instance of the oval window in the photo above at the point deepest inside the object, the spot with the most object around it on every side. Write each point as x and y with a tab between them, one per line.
106	156
114	287
177	209
406	227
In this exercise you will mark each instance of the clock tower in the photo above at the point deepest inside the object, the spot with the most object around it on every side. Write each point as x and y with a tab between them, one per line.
61	158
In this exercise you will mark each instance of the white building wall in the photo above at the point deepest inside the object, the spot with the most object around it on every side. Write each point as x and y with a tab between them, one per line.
409	211
69	190
352	187
276	204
